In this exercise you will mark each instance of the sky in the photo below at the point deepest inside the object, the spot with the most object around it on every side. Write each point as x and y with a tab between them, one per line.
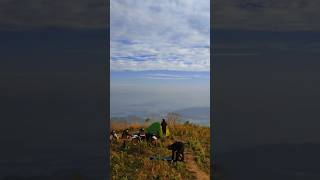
266	15
160	55
266	70
284	15
52	80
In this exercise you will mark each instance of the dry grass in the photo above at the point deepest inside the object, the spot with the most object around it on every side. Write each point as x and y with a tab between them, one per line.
133	162
123	125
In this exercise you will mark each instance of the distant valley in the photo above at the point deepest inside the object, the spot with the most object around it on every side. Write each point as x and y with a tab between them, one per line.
198	115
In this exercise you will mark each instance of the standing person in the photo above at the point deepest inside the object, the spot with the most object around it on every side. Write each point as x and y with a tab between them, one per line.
164	126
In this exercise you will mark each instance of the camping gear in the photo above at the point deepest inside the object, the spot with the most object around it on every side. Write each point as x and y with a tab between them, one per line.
113	136
168	158
126	134
154	140
136	139
142	134
155	128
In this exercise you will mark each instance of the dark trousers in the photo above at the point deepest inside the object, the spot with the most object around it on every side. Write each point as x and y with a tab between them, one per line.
164	130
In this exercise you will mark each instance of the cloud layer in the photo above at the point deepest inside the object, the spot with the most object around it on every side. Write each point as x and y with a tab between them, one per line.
171	35
48	13
281	15
275	15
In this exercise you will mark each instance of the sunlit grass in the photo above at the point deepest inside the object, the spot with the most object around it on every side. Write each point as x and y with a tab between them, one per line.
133	162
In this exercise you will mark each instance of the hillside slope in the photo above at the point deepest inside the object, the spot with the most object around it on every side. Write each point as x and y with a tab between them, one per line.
133	162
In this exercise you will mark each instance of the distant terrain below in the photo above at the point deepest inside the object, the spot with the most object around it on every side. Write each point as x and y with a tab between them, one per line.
199	115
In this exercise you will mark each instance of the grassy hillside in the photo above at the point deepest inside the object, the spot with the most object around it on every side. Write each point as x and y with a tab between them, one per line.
133	161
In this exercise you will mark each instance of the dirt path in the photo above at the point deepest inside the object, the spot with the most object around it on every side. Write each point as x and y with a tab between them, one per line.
192	167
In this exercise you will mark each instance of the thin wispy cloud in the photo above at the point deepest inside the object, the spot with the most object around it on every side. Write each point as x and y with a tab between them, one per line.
47	13
174	76
154	35
235	54
284	15
167	78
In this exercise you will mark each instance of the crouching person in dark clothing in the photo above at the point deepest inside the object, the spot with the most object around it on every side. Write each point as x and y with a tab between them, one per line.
126	134
177	149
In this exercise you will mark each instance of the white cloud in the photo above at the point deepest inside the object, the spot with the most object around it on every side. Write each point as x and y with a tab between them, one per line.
160	35
167	76
235	54
173	76
284	15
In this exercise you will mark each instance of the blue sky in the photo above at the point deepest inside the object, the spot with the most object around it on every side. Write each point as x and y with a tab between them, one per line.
161	49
